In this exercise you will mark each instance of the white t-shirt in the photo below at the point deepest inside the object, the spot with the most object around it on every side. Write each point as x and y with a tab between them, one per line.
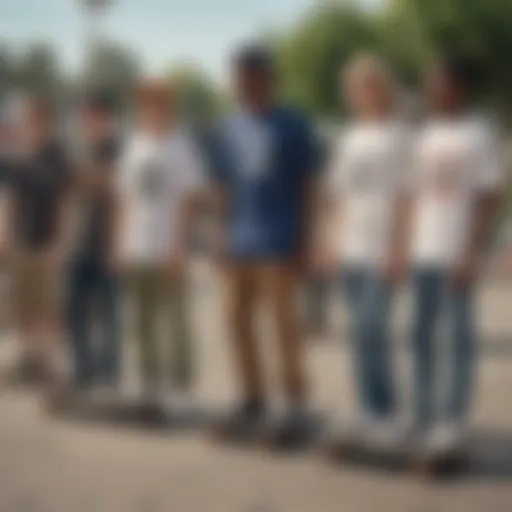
455	161
371	166
155	178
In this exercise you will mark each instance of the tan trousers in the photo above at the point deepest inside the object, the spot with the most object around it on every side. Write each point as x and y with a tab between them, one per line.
275	285
155	296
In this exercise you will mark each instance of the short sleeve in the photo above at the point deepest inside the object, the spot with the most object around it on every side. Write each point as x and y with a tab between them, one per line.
490	164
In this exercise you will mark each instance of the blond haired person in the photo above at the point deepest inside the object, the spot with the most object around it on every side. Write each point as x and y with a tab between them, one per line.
368	186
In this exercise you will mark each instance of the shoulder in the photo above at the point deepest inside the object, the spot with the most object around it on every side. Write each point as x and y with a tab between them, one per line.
349	132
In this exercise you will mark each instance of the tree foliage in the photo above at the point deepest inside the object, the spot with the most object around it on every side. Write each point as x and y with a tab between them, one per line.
408	33
37	71
198	99
310	56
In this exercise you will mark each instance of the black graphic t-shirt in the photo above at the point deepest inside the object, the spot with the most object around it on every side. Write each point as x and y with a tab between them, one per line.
38	183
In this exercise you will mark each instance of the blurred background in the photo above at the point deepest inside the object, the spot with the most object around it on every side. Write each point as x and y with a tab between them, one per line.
56	48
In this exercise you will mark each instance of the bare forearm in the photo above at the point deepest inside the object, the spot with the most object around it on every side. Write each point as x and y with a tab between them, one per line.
486	214
401	226
7	216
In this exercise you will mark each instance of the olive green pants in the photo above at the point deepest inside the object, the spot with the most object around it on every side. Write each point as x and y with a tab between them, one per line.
160	315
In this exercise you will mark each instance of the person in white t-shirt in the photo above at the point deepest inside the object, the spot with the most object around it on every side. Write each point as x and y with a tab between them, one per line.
368	182
160	179
458	177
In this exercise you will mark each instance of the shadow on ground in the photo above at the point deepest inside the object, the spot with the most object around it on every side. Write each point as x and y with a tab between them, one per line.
491	457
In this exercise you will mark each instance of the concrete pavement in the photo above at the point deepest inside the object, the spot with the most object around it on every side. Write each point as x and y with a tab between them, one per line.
56	466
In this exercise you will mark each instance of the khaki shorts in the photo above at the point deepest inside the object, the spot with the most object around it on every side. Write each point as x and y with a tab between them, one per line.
34	287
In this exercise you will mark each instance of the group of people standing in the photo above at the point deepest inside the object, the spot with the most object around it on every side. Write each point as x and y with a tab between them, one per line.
394	202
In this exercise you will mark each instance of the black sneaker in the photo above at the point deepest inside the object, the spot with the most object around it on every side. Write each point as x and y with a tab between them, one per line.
30	371
244	424
293	431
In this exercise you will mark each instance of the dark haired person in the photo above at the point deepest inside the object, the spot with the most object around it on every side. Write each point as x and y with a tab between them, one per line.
267	157
38	184
458	181
92	282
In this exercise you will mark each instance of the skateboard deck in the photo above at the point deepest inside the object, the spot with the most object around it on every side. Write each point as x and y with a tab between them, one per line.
399	457
111	409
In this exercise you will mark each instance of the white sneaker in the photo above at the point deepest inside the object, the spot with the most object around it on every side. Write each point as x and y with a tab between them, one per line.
355	430
443	437
386	434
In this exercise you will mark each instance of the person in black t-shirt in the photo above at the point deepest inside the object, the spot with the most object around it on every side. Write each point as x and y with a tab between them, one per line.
37	179
92	280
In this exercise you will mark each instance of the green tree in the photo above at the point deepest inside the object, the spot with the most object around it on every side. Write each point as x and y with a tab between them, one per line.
112	68
6	71
408	33
37	71
199	99
311	54
479	30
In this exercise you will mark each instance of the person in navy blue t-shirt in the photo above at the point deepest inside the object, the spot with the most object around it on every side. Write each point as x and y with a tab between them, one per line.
265	158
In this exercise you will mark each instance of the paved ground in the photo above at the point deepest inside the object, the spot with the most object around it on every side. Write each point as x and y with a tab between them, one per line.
54	466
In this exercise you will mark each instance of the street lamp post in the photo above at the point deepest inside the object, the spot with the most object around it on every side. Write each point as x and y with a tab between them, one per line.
93	10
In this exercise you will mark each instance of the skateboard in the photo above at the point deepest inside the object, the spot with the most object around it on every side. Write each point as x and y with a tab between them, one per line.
447	463
107	408
399	457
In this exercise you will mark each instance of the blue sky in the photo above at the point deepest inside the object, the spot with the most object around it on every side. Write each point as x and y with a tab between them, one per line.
163	32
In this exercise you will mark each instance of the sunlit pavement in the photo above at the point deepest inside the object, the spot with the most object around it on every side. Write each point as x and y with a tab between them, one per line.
56	466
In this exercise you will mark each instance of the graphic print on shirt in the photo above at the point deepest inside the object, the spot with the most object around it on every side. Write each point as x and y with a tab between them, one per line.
252	148
364	175
446	174
152	179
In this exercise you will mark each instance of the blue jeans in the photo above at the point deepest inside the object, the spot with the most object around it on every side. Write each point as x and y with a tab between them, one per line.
368	299
93	290
435	300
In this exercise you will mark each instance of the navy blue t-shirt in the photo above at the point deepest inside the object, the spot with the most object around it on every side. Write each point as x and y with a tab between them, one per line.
265	162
